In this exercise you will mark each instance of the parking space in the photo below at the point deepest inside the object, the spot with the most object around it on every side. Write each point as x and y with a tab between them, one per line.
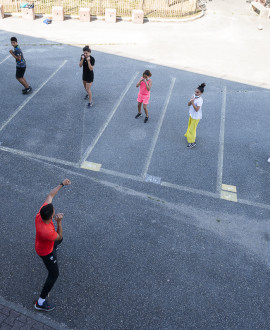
54	121
246	144
125	143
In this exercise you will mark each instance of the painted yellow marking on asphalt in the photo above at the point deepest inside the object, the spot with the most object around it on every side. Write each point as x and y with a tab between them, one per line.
91	166
227	187
229	196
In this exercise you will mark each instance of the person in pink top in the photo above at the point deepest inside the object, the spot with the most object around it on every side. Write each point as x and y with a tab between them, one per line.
145	84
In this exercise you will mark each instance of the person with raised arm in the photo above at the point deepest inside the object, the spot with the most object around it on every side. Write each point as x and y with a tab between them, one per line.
47	240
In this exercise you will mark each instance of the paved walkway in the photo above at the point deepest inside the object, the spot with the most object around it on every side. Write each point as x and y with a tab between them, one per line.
13	316
225	43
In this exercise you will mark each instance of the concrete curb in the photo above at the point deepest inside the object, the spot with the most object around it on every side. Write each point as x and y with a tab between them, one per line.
42	321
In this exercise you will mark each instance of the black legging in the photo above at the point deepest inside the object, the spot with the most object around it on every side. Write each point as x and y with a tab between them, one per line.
50	261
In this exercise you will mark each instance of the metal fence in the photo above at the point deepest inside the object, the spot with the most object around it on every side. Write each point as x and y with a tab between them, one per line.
151	8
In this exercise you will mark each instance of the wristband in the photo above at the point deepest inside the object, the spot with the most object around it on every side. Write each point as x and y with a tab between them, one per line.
61	184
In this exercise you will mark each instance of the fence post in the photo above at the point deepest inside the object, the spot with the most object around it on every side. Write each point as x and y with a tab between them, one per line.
84	14
193	5
28	13
142	5
100	7
57	13
137	16
110	15
2	14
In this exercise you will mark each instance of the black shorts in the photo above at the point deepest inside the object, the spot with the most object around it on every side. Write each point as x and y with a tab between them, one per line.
89	77
20	72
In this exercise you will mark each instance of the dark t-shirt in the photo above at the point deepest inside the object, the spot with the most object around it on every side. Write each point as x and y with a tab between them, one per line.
18	52
86	69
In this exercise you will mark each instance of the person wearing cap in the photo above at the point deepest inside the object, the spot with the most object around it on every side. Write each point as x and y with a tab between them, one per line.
47	240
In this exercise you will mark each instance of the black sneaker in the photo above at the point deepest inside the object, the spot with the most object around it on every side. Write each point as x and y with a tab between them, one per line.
86	97
145	119
90	104
28	90
138	115
24	90
44	307
191	145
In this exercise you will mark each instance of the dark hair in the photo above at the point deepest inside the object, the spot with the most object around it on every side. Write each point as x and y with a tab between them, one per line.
147	73
46	212
201	87
13	39
86	49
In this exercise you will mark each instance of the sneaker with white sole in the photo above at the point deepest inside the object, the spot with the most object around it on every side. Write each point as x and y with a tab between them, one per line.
46	307
191	145
138	115
86	97
90	104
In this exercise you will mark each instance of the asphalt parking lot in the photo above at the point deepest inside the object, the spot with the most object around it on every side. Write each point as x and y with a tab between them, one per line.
155	235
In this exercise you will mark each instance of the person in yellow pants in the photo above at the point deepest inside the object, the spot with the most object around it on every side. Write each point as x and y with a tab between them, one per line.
195	115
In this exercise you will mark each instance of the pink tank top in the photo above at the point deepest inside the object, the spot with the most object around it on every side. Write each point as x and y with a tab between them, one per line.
143	89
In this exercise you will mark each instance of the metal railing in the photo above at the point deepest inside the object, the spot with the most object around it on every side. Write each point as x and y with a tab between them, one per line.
151	8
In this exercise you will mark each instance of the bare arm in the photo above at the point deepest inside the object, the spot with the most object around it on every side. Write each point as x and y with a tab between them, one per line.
139	82
17	58
58	218
196	107
52	193
81	61
91	67
148	86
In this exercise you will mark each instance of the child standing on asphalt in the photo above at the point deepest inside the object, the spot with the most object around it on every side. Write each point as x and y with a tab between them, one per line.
87	62
20	65
145	84
195	115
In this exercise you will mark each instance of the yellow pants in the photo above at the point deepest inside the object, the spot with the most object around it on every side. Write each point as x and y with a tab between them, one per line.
191	130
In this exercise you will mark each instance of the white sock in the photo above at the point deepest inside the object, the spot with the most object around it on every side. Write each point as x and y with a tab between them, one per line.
40	301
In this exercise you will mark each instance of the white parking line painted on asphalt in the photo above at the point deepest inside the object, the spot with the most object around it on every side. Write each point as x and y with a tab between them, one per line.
121	175
55	162
5	59
221	142
154	141
190	190
29	98
152	179
83	131
32	155
102	129
213	195
250	203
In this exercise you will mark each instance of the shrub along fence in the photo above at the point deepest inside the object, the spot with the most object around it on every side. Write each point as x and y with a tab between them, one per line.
151	8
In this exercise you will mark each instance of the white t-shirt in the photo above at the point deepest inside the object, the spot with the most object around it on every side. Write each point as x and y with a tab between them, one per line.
196	114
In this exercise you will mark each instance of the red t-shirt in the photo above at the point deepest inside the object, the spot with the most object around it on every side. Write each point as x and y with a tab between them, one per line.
45	235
